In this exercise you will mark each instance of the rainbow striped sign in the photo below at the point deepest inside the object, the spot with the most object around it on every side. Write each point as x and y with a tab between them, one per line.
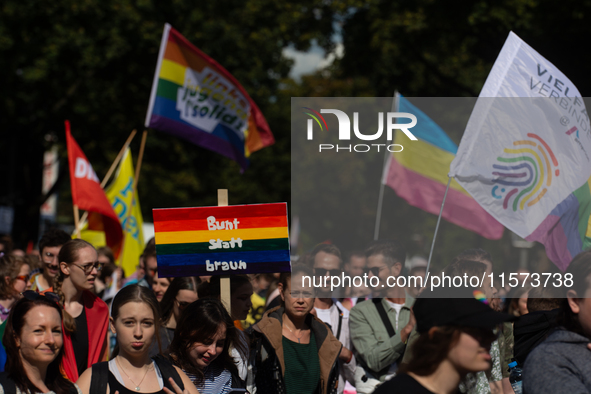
238	239
195	98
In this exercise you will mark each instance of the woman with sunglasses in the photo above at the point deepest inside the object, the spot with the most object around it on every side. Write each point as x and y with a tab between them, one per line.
14	279
292	351
135	319
86	316
455	335
181	292
34	341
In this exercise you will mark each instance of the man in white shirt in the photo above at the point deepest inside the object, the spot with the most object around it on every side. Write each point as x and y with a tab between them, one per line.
326	260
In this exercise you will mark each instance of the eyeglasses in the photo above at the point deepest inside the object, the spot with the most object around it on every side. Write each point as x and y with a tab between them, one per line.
23	277
153	271
323	272
374	270
87	268
182	304
302	294
33	295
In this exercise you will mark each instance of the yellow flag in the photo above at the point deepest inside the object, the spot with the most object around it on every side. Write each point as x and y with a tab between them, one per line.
120	194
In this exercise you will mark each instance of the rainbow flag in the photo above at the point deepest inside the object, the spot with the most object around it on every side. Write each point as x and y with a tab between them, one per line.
418	174
195	98
239	239
526	155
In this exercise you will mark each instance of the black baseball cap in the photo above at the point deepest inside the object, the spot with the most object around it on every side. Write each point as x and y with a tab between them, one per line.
465	307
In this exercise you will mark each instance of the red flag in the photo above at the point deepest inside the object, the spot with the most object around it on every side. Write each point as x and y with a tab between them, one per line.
88	195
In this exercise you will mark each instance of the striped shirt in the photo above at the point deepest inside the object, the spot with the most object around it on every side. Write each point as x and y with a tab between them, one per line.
216	381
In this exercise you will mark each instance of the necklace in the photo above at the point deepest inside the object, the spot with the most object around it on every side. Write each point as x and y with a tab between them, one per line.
301	333
137	386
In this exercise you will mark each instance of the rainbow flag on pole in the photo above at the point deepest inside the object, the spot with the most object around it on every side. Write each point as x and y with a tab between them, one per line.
195	98
418	174
238	239
526	152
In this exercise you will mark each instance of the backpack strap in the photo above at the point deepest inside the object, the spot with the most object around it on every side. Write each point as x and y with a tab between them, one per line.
380	307
337	336
167	370
100	378
7	384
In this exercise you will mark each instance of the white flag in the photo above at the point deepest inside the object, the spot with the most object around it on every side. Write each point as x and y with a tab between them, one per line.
525	153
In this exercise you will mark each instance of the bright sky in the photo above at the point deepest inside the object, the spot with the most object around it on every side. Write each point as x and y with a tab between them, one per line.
311	61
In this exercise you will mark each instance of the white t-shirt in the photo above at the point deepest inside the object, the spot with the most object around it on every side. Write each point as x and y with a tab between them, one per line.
324	315
397	308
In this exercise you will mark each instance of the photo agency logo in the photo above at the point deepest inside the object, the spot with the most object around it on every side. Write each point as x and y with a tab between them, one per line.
345	130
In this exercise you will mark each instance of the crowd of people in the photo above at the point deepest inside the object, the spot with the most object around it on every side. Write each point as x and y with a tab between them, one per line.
71	322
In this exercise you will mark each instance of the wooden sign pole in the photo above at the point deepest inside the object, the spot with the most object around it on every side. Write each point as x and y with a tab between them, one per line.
225	294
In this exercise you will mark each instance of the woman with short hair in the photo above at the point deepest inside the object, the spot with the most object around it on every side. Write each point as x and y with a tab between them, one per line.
292	351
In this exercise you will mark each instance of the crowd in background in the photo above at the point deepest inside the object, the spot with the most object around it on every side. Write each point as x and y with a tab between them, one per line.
71	322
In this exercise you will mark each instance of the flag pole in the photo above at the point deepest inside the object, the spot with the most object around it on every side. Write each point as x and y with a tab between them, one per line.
437	226
376	231
140	157
118	159
76	221
111	170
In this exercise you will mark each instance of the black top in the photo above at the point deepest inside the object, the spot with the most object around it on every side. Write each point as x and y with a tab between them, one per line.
402	383
80	342
114	386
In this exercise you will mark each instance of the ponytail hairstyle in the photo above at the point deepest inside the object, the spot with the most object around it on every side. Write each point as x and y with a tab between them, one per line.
69	253
10	266
14	368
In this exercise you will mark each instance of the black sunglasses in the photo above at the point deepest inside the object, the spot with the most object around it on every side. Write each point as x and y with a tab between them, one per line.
374	270
322	272
33	295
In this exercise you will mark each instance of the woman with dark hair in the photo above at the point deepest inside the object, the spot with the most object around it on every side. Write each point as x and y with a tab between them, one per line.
240	294
240	305
33	339
86	316
14	279
455	335
201	347
292	351
562	363
181	292
135	319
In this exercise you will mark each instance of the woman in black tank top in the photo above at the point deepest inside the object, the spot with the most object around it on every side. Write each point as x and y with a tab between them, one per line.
135	319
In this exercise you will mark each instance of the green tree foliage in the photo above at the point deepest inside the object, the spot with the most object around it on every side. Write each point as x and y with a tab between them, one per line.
93	62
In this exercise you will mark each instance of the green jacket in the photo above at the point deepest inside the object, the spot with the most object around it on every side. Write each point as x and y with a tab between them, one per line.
373	346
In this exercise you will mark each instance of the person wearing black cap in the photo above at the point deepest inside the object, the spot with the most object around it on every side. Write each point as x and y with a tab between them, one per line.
456	332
